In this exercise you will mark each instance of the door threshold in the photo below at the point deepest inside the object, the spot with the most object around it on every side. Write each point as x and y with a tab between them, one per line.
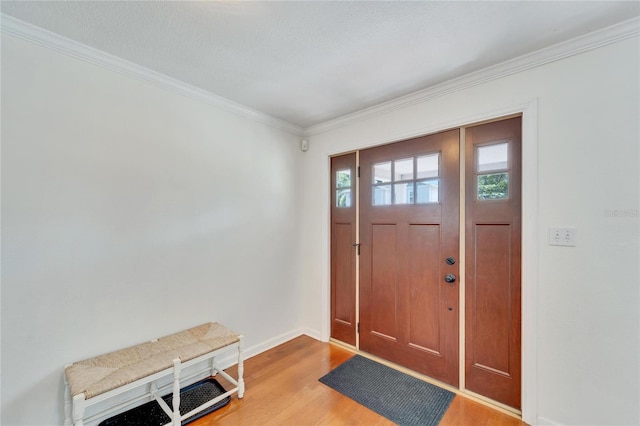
343	345
514	412
505	409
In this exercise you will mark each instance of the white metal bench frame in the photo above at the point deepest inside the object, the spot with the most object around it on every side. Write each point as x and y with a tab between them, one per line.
75	407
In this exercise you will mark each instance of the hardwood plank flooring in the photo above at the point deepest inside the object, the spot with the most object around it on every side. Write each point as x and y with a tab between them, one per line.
283	389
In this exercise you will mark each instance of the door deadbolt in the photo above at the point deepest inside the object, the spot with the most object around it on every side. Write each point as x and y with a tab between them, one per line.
450	261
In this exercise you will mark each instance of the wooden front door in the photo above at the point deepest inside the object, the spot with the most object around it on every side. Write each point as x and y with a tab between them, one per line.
409	203
343	251
409	271
493	229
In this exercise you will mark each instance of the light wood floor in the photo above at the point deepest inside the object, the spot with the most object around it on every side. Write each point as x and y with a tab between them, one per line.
283	389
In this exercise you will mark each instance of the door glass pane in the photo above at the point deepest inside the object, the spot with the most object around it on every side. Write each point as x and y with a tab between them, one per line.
403	193
493	186
427	191
382	172
343	178
381	195
343	197
493	157
428	166
403	169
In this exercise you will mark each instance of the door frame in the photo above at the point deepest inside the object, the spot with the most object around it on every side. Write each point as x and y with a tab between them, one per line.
529	320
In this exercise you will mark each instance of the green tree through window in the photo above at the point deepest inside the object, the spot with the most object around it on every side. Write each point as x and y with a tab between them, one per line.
493	186
343	193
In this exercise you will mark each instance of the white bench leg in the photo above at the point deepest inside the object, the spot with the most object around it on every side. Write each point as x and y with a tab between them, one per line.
67	403
240	370
176	392
214	367
78	406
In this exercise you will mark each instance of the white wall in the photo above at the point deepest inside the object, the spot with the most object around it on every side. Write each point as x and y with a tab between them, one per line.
587	142
129	212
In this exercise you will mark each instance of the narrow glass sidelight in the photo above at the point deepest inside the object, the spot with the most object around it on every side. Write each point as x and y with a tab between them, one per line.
492	171
343	190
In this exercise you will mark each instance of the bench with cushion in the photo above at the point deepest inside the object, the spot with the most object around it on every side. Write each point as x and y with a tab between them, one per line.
106	376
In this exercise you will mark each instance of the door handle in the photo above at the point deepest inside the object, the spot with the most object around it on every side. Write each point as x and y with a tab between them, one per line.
450	278
357	246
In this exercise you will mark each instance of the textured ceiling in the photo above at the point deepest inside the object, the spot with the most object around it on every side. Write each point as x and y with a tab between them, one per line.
309	62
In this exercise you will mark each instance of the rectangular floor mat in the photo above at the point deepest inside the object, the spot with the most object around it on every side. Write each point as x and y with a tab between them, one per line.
401	398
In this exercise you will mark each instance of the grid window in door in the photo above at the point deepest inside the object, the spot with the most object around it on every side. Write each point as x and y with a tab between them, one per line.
413	180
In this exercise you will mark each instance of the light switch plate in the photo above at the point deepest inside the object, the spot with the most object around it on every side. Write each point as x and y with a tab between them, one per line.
563	236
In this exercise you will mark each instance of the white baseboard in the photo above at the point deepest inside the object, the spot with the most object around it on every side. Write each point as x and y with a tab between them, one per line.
254	350
271	343
314	334
542	421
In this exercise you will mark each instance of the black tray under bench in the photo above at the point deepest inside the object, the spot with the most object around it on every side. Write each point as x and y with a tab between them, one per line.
192	396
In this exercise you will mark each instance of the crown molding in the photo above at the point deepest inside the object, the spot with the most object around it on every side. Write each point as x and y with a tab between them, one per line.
25	31
575	46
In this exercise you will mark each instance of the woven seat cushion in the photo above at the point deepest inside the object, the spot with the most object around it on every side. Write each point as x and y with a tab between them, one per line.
110	371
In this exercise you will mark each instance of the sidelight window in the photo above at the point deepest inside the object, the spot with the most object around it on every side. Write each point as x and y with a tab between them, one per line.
492	171
343	188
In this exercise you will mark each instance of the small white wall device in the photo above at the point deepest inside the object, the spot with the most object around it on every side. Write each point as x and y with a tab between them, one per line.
304	145
563	236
